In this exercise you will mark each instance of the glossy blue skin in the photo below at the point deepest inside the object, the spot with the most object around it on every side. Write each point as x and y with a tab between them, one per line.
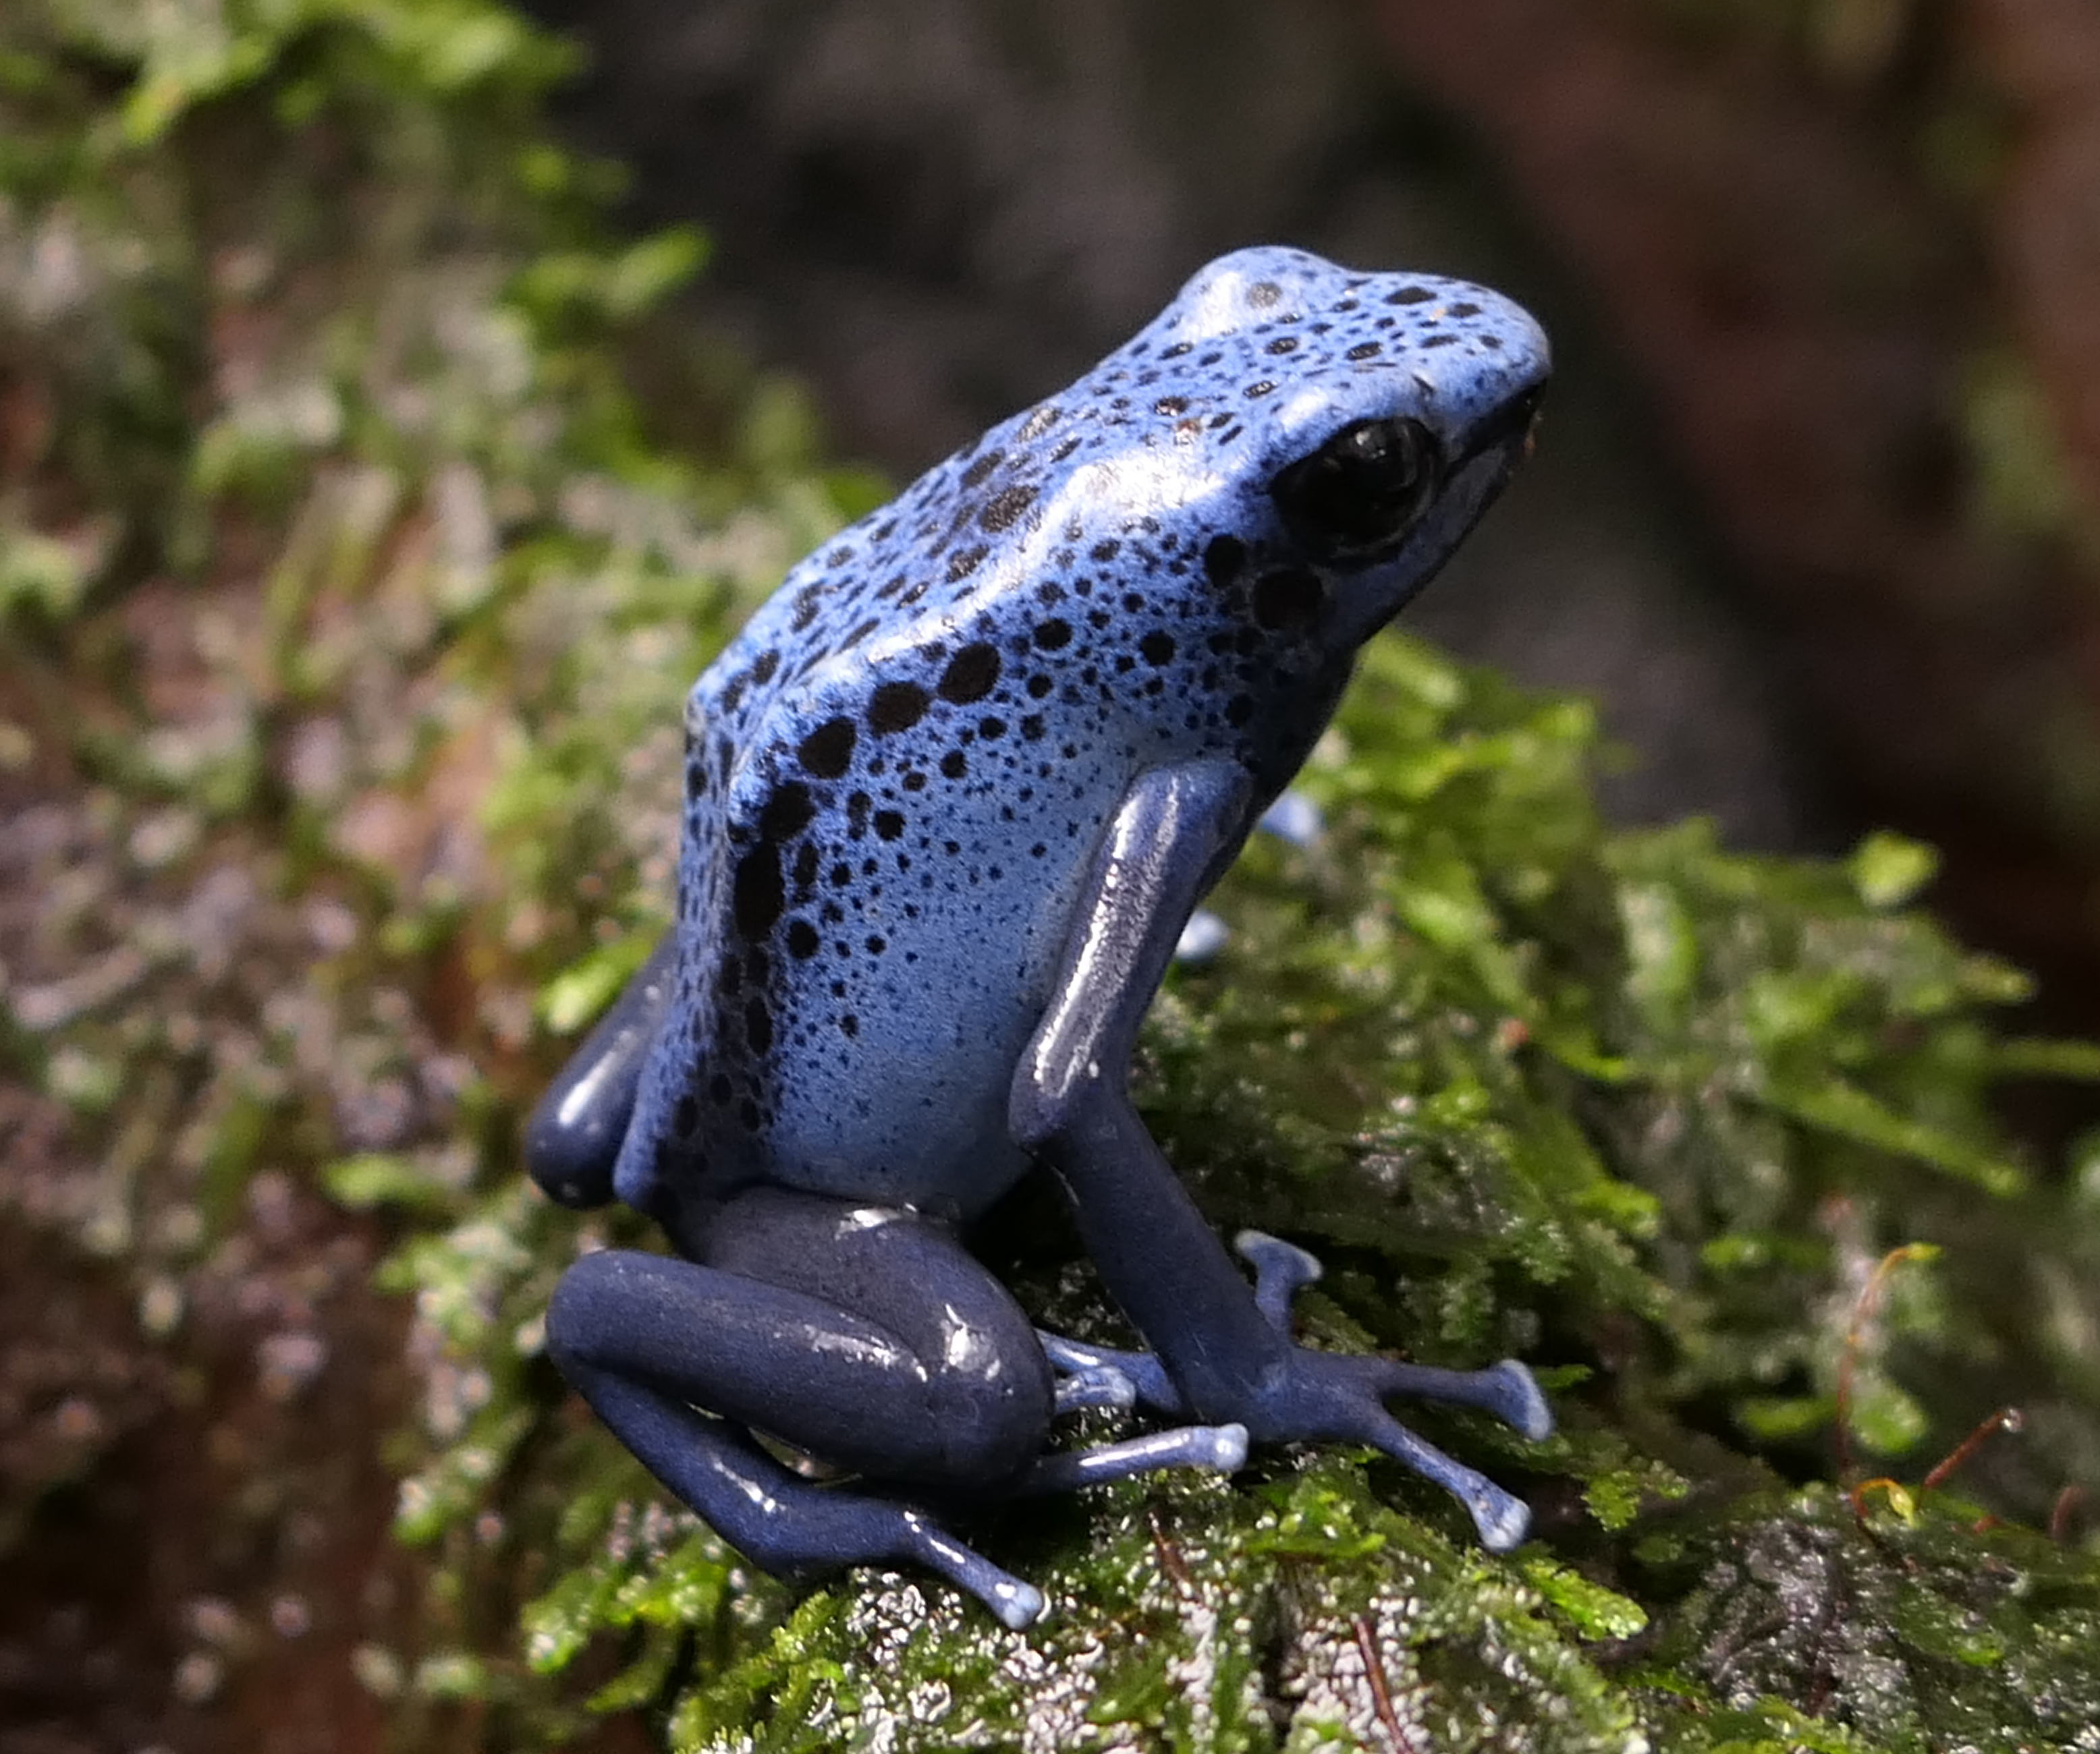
951	796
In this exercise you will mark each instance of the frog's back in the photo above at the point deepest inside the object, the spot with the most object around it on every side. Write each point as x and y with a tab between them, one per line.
898	775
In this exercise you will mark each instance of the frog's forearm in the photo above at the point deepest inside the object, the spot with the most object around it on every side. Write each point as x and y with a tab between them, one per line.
1070	1107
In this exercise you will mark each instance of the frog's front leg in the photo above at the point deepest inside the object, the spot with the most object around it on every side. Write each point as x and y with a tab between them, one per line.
1224	1356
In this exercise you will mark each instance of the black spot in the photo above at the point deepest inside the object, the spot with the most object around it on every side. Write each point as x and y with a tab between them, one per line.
1264	387
1171	405
1005	508
758	1026
1031	728
1264	293
1239	709
808	601
761	673
759	894
979	471
897	706
1463	310
850	1023
1440	341
953	764
890	824
1104	551
1038	685
1364	349
1052	634
1410	295
828	750
962	565
696	778
1283	344
915	781
786	813
857	809
805	864
992	729
1223	558
1288	597
802	939
971	674
877	943
1157	646
839	874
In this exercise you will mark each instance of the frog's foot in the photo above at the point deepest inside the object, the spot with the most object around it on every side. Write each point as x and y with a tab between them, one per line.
1081	1362
1333	1396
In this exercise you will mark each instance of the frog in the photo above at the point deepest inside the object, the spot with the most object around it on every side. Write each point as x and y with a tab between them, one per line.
950	798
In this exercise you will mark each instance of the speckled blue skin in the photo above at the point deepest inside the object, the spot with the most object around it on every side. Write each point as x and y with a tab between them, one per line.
950	797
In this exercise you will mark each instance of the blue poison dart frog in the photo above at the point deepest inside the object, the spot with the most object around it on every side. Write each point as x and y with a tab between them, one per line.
949	800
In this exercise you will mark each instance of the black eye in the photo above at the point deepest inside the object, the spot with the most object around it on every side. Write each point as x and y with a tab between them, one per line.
1359	492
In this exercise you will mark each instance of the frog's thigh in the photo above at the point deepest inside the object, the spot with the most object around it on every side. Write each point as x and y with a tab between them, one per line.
869	1338
573	1138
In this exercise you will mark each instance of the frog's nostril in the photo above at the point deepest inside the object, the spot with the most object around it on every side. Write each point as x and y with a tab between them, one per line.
1506	427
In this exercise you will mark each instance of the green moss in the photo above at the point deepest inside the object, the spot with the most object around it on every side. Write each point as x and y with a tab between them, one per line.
1648	1112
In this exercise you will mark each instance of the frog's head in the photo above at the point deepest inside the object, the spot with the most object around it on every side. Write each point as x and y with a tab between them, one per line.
1373	418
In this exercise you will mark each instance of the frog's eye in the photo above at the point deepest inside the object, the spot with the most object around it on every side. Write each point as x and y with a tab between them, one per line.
1359	492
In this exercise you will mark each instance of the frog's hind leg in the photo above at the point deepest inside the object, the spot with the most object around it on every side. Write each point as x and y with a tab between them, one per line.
781	1522
866	1337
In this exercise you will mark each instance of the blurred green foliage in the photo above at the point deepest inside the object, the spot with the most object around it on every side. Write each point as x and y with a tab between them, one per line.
313	346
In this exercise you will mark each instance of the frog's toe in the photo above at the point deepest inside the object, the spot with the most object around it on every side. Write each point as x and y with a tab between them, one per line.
1083	1359
1094	1386
1215	1449
1282	1270
1502	1520
1508	1391
1521	1402
1016	1603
